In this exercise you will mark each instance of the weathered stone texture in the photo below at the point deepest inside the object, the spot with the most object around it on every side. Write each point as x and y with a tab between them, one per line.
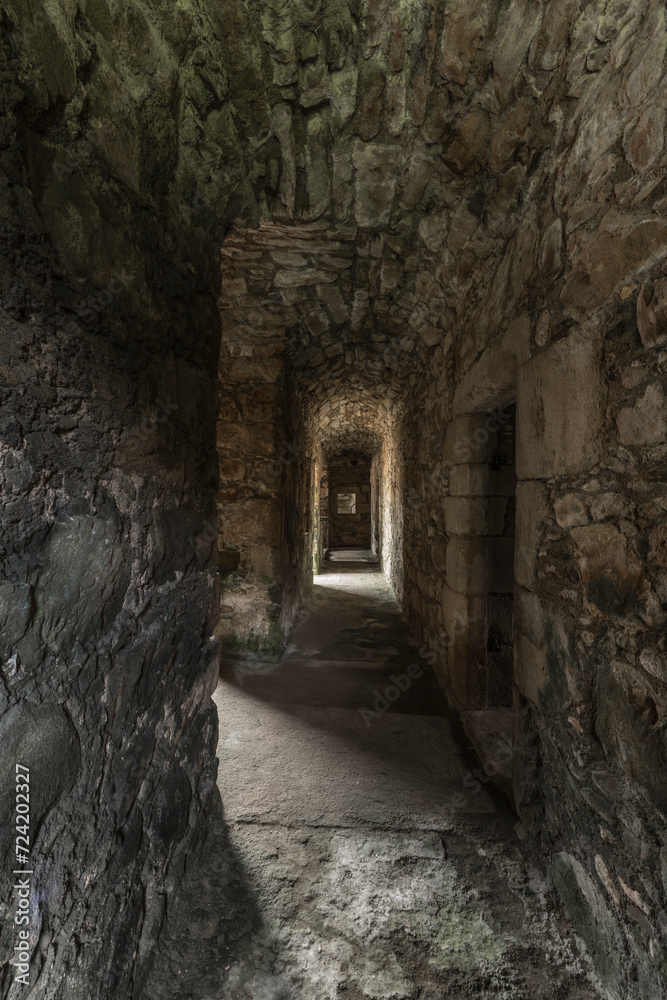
557	435
426	213
109	590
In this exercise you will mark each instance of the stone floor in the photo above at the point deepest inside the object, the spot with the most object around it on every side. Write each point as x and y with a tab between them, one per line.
360	856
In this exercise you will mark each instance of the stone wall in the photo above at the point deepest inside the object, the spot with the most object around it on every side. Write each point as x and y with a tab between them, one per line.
350	473
254	461
321	505
392	506
302	470
109	337
566	321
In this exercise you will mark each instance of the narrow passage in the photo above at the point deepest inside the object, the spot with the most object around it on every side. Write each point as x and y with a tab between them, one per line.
379	866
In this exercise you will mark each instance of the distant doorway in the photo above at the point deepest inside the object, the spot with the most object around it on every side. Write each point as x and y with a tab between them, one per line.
349	520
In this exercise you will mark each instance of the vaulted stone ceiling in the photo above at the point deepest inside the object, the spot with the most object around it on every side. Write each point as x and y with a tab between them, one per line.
344	259
446	150
352	420
408	167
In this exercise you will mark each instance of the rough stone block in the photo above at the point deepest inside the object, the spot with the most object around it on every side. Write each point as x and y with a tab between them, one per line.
465	624
249	621
610	569
419	171
645	423
644	140
647	73
41	738
435	124
592	917
343	189
426	585
532	509
433	229
264	560
244	370
376	182
232	436
466	564
571	511
15	612
438	552
658	545
83	559
555	437
318	176
551	250
530	669
472	131
303	276
467	440
251	521
464	28
616	250
391	273
465	516
231	469
652	314
491	381
468	480
523	22
463	225
510	134
548	630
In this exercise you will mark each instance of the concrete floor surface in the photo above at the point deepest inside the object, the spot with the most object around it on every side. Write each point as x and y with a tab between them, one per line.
359	856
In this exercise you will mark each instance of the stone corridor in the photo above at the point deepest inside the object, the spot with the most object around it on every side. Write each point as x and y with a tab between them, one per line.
282	280
378	865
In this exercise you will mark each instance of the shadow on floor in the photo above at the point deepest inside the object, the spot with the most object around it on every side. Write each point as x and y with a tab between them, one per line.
348	672
384	867
406	764
212	915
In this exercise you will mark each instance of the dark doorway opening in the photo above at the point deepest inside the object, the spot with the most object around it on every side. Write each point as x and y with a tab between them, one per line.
501	517
349	481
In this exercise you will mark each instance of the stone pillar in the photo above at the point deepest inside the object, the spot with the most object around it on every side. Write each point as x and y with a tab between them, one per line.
559	435
254	461
464	594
